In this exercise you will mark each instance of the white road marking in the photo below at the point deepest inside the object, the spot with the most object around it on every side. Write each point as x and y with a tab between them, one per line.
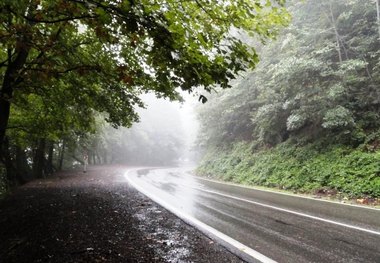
243	248
291	212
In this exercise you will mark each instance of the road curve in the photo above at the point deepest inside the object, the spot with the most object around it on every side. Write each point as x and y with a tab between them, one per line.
262	225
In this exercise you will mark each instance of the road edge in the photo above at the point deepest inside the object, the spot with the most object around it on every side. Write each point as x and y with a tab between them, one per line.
285	193
244	252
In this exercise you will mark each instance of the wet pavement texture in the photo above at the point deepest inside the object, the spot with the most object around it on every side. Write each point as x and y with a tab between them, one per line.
279	235
96	217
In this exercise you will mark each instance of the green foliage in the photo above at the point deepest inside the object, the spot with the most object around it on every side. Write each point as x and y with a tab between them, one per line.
305	85
337	118
311	107
65	62
301	168
107	53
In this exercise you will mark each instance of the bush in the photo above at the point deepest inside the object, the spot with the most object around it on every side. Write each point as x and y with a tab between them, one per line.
306	168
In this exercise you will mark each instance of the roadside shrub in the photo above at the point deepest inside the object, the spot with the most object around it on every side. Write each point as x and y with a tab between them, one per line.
306	168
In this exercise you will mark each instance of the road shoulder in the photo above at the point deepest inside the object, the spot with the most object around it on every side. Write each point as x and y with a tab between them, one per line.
96	217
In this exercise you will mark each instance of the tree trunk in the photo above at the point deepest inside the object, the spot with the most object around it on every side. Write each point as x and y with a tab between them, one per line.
6	92
338	48
23	169
378	15
11	75
105	160
61	155
4	117
14	175
39	159
49	162
91	158
98	157
9	167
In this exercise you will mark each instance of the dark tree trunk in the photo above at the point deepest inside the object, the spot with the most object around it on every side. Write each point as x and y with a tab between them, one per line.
7	160
39	159
4	117
49	161
9	81
13	175
23	169
11	75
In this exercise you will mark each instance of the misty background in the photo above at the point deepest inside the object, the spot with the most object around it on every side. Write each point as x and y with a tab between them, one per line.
165	135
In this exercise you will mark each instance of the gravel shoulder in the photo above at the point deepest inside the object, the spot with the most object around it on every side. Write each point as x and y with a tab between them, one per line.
96	217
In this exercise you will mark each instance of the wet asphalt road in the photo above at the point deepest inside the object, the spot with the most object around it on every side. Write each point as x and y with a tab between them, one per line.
283	228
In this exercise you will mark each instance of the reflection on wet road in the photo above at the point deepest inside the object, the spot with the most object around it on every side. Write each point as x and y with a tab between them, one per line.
283	228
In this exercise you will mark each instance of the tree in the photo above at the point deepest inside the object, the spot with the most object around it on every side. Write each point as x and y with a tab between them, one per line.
378	15
318	79
312	106
105	53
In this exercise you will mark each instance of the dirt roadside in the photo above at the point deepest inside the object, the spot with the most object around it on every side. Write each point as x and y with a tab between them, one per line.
96	217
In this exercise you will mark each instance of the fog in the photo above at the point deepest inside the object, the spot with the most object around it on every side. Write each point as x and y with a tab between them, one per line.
164	136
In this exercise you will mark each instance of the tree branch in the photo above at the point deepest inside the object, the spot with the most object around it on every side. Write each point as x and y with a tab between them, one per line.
65	19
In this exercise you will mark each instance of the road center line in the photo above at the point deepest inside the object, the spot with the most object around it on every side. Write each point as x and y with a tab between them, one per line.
206	228
290	211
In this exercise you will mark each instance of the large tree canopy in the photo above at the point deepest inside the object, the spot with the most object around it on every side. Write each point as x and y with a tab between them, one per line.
309	115
98	55
319	78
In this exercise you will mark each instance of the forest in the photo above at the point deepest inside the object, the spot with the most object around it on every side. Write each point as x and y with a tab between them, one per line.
307	119
72	71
